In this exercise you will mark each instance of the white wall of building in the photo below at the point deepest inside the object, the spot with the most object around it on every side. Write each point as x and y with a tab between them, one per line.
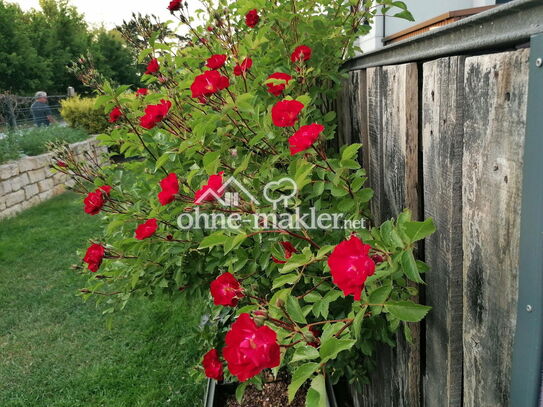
422	10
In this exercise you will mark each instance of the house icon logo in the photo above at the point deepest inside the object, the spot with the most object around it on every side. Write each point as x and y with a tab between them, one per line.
231	190
228	198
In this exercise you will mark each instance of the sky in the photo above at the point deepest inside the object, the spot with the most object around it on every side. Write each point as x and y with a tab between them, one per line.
110	12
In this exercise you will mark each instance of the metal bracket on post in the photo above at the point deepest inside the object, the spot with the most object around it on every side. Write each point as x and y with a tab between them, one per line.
526	383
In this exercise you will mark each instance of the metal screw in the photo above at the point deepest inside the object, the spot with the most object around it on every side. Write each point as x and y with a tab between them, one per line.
529	308
539	62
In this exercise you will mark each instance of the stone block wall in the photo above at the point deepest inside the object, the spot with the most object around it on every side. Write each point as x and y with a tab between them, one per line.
29	181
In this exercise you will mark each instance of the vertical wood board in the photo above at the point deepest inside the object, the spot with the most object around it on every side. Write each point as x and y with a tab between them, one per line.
495	123
442	144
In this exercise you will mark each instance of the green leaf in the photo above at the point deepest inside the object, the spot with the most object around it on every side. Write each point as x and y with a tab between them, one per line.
299	377
240	391
294	310
407	310
409	266
333	346
380	295
419	230
351	151
406	15
357	324
304	353
162	160
297	260
244	164
330	116
316	395
211	162
215	239
285	279
232	243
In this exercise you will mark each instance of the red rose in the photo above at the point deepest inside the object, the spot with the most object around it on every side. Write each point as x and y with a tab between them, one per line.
152	67
208	83
252	18
146	229
316	334
94	256
211	190
210	29
94	201
115	114
350	265
250	349
226	290
174	5
304	138
142	91
154	114
105	188
216	61
245	65
278	86
285	113
289	249
301	53
213	366
170	188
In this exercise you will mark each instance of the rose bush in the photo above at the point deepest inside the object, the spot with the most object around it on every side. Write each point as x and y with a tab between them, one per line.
251	95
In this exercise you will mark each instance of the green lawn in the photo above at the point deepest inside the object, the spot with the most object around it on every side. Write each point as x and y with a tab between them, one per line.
55	350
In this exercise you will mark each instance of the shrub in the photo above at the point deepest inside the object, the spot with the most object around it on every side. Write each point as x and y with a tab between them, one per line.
312	300
81	113
35	140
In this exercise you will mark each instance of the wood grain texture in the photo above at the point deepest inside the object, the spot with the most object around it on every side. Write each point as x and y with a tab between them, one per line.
495	120
345	113
393	171
442	145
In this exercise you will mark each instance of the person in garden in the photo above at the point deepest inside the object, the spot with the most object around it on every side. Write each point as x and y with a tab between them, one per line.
41	111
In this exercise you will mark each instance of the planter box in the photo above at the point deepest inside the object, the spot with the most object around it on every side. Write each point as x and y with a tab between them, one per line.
216	394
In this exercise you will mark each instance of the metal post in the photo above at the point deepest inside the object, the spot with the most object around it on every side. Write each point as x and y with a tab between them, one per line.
528	346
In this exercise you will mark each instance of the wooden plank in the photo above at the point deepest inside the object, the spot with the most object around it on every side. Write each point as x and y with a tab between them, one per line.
374	166
442	144
345	113
495	121
363	117
393	164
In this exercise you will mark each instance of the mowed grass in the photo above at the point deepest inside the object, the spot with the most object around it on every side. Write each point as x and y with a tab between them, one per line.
55	350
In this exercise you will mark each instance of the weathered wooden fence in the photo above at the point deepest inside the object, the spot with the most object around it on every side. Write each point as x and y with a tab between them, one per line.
444	137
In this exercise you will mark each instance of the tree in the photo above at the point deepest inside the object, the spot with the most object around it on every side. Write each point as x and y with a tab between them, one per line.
112	58
60	34
22	68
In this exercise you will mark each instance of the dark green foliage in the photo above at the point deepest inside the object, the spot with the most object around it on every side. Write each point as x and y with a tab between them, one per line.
37	46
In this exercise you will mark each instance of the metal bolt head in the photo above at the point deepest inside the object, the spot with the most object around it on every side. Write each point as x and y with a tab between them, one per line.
529	308
539	62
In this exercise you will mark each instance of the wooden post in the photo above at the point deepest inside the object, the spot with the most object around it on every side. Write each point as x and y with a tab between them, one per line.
442	135
393	165
496	88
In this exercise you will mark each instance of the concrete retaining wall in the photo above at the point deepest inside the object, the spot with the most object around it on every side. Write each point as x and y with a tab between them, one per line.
29	181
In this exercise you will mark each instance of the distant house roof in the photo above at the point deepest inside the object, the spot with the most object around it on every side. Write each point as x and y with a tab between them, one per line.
439	21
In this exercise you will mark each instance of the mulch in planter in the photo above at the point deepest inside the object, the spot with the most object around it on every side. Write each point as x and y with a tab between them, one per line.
273	394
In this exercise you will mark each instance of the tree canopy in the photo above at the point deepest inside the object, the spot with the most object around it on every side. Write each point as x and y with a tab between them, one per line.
37	46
